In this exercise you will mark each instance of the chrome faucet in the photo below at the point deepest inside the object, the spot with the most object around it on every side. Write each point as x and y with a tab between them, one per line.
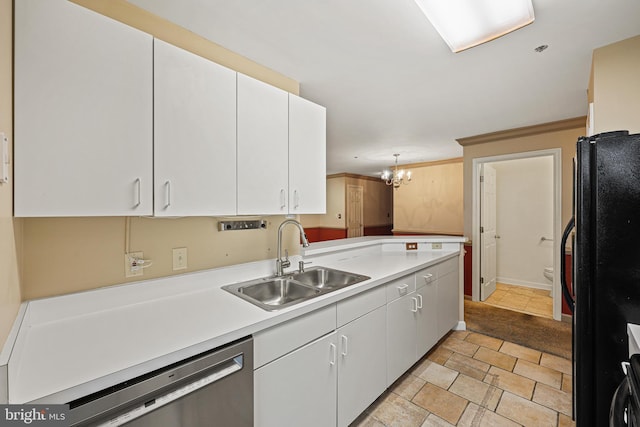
280	263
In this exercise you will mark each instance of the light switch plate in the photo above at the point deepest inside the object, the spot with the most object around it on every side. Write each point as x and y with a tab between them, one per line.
179	258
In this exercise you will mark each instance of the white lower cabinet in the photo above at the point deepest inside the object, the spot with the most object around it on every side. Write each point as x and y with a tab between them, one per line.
427	319
419	318
448	297
401	336
325	368
361	364
299	389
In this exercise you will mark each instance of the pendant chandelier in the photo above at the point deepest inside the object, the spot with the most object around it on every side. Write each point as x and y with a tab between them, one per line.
397	177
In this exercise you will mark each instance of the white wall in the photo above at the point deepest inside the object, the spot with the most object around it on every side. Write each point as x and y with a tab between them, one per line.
524	212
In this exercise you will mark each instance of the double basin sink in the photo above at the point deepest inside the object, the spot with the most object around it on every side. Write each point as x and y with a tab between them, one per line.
274	293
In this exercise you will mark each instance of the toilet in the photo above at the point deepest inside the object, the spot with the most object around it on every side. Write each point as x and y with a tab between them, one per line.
548	273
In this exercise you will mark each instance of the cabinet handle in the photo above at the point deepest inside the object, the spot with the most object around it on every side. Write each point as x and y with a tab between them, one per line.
402	290
296	199
415	305
428	278
332	346
419	301
138	192
168	185
283	203
345	345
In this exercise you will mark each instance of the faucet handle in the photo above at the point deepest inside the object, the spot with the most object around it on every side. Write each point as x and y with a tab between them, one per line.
286	254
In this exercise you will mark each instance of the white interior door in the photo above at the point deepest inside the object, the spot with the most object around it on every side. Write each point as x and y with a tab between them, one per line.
355	211
487	231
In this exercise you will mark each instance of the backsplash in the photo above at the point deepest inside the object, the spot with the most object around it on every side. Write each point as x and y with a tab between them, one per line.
62	255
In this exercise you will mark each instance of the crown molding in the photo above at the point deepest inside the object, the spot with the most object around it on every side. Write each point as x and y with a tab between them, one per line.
576	122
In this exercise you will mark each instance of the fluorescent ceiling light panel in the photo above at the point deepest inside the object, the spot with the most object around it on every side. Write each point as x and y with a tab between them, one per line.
468	23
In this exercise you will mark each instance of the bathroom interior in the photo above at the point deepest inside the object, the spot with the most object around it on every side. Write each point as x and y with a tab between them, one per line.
524	236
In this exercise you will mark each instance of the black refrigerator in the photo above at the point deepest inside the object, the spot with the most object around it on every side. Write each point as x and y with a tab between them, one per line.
606	268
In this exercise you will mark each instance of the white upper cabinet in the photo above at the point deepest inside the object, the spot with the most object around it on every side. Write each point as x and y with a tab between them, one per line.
262	148
194	134
83	113
307	157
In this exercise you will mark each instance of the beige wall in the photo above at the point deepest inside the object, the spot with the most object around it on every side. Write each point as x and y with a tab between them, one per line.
162	29
73	254
432	202
9	228
616	86
563	139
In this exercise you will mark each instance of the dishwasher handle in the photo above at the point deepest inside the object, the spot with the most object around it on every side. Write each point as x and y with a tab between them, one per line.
220	371
151	391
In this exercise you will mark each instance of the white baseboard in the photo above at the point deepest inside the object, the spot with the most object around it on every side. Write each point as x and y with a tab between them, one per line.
524	283
461	326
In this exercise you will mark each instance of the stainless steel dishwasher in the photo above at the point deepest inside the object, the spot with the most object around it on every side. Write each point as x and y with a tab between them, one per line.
214	388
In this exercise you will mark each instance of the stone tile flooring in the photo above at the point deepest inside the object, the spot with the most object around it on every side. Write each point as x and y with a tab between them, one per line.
474	380
526	300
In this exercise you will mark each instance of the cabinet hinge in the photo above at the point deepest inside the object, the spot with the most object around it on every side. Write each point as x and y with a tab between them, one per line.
482	280
481	178
481	229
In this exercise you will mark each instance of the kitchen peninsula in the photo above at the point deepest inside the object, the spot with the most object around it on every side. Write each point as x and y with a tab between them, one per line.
66	347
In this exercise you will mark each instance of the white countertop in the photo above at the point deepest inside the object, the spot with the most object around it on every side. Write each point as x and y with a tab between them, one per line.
66	347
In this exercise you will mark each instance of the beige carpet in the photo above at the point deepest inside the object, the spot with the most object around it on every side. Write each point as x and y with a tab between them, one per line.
547	335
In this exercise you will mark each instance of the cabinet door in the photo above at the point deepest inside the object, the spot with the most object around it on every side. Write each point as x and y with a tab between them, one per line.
427	317
401	336
298	389
448	302
263	148
194	134
362	364
307	157
83	113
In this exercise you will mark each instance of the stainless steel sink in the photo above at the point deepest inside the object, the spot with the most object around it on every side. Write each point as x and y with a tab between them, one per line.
327	278
274	293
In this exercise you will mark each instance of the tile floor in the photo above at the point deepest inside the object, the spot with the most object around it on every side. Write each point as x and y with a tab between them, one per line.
474	380
527	300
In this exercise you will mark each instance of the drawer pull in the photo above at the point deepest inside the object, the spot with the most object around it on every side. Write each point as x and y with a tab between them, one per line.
332	361
402	290
138	196
415	305
345	344
419	301
428	278
283	199
168	194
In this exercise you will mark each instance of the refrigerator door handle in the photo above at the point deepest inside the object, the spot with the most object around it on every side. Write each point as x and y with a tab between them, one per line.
563	268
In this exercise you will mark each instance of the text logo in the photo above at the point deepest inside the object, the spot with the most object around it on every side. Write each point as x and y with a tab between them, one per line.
34	415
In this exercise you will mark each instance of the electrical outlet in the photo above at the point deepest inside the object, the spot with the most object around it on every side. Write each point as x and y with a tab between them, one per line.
436	246
179	258
131	269
413	246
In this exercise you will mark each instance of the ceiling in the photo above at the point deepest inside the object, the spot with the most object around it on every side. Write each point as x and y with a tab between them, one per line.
391	84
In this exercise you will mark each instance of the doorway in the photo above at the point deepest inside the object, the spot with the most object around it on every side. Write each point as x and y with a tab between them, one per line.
531	225
355	211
